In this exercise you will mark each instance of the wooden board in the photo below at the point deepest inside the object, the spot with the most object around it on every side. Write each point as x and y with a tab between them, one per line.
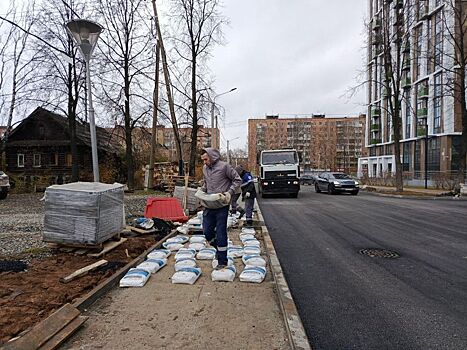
108	246
44	330
66	332
140	230
83	271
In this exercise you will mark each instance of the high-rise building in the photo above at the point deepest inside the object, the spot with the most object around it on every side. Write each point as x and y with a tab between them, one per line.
415	37
322	143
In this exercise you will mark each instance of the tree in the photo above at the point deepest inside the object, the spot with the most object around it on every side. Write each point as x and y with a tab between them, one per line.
126	59
197	27
453	60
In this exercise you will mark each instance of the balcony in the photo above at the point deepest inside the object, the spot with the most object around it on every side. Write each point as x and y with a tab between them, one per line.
375	112
421	131
398	4
422	112
423	12
423	92
405	82
374	127
406	64
376	24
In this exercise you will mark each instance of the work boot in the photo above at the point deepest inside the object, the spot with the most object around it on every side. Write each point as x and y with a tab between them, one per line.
249	223
241	211
220	267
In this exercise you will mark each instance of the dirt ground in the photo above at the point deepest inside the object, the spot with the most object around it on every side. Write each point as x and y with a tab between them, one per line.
30	296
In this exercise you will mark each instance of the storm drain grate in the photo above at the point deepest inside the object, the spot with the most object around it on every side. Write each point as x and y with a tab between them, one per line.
379	253
12	265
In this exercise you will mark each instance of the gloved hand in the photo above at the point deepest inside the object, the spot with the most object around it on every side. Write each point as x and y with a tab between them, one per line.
247	195
225	197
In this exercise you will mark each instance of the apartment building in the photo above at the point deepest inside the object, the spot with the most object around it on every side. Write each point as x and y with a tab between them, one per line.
323	143
430	112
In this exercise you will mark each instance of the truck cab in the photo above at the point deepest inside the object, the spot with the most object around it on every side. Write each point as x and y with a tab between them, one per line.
279	172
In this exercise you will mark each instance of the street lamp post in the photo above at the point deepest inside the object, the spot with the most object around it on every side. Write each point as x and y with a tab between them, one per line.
228	149
85	33
213	123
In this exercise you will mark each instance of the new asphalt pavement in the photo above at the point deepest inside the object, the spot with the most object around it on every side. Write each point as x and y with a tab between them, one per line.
372	272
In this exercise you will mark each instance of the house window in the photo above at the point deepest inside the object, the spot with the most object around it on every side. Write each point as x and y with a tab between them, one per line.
20	160
406	157
69	159
408	115
54	159
438	44
37	160
434	146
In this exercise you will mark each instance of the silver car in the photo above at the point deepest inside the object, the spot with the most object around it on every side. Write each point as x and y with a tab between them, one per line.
336	182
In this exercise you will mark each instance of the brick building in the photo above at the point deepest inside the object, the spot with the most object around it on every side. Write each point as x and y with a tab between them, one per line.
323	143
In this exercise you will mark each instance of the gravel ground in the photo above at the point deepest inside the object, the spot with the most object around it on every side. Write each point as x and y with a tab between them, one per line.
22	222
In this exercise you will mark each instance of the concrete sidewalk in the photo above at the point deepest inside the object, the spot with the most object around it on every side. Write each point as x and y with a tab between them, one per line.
210	315
409	190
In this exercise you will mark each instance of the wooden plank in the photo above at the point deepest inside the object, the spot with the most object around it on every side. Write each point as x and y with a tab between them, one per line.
66	332
81	251
83	271
108	246
44	330
140	230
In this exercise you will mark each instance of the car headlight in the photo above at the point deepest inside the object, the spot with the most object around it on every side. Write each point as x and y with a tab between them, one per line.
265	183
336	183
357	183
295	182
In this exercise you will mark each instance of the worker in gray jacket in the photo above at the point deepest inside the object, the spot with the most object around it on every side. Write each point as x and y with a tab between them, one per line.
219	177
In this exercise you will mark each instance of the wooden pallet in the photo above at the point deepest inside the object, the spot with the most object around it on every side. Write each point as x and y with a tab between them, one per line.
81	249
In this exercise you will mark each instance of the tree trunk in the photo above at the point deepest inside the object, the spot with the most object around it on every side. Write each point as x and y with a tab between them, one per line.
128	131
169	92
72	126
194	130
155	99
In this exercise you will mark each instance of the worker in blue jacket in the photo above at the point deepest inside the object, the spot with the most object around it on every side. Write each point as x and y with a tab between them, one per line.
248	195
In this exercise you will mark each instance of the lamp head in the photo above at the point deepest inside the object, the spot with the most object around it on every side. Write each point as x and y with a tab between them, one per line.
85	33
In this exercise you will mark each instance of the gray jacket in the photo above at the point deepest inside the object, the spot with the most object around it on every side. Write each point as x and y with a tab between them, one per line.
219	176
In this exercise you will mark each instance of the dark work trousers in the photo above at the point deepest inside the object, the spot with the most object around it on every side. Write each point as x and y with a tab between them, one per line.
249	204
233	202
215	231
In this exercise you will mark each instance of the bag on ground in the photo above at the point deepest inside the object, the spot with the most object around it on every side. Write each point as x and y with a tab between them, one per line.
159	254
235	251
172	246
186	275
225	275
135	278
197	239
244	236
184	262
251	242
185	253
253	274
197	246
249	230
250	249
152	265
254	260
230	262
206	254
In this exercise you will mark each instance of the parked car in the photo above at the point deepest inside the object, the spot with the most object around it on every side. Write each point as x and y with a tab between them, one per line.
307	179
336	182
4	185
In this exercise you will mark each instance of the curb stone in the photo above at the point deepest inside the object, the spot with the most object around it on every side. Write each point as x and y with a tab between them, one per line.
293	324
443	198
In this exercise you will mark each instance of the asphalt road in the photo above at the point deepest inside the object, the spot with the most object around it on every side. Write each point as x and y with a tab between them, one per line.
347	300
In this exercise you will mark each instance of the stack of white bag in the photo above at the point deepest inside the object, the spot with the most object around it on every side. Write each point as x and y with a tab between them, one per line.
135	278
253	274
226	274
185	257
197	242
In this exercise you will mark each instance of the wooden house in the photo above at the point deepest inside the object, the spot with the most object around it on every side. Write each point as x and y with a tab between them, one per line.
38	152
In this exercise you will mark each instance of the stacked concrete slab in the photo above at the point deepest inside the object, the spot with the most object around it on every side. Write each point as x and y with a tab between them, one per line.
83	212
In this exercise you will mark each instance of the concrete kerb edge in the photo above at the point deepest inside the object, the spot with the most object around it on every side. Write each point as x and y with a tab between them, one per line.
439	198
85	302
293	324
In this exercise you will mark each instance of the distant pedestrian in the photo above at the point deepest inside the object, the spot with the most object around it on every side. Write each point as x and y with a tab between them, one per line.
248	195
219	178
234	202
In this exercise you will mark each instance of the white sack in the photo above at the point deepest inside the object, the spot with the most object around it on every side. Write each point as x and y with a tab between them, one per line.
135	278
254	260
224	275
159	254
185	253
253	274
184	262
186	275
250	249
152	265
206	254
172	246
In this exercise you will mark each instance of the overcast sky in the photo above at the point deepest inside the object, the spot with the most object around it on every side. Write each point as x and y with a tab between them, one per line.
288	57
